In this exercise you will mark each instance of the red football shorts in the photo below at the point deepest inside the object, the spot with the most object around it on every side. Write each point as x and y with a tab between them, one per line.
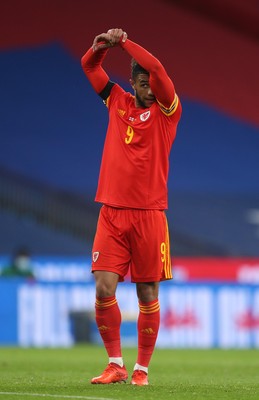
132	241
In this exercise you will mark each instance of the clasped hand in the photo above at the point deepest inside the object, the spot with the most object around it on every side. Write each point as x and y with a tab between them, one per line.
109	39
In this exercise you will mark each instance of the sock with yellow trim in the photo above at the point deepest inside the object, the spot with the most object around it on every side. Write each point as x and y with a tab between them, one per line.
108	319
148	326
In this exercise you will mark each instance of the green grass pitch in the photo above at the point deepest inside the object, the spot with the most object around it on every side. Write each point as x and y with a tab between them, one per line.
173	374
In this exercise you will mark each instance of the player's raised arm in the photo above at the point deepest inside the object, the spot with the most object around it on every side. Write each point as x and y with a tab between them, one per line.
92	64
92	60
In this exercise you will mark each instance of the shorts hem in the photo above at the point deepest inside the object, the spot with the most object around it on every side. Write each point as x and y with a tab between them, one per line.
146	280
107	269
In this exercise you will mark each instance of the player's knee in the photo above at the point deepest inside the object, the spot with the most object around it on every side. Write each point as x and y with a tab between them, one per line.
103	290
147	291
105	287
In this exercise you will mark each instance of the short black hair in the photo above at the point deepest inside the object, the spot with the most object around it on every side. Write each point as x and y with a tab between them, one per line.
137	69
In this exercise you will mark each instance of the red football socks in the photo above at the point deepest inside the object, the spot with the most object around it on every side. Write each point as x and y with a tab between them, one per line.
148	326
108	319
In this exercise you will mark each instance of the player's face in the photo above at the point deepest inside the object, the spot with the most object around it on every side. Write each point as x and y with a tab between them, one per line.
143	93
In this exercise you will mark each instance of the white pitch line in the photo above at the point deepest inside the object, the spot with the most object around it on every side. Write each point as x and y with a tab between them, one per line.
60	396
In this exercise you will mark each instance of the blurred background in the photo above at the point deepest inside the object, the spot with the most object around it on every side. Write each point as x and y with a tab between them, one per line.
52	128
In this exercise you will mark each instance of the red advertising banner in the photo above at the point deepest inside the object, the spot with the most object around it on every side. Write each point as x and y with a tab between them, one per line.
242	270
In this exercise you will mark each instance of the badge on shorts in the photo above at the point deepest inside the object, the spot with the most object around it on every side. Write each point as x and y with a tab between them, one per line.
95	255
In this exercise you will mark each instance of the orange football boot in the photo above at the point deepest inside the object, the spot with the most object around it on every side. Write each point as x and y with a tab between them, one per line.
139	378
113	373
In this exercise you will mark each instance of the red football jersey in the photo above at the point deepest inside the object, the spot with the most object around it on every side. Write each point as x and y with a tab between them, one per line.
135	161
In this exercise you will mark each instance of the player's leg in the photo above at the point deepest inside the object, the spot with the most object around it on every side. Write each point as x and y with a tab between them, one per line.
151	263
108	320
108	315
107	312
148	327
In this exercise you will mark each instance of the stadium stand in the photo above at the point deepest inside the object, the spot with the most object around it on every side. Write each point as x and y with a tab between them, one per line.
53	126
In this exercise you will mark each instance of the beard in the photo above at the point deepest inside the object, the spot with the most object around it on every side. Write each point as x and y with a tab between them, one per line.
139	101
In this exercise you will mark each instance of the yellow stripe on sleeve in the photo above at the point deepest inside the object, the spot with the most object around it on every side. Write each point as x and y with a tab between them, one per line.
171	110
